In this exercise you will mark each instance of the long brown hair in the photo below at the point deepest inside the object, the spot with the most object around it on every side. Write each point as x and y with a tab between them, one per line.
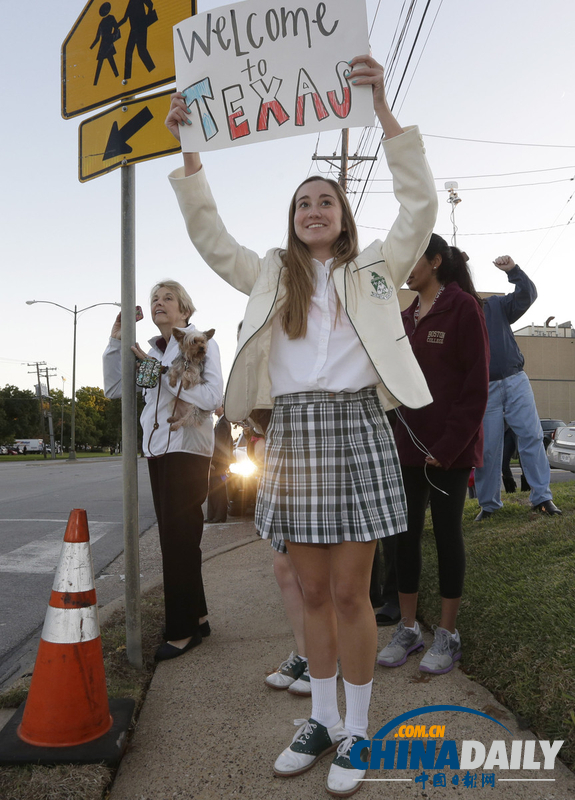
299	272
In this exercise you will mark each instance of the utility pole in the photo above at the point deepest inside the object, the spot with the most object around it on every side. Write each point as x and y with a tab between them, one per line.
62	418
454	199
50	421
39	364
344	159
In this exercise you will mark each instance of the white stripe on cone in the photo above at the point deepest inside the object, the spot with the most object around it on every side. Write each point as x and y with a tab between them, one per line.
71	625
74	572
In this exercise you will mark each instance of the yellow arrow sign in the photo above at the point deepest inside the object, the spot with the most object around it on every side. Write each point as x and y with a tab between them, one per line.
125	134
117	49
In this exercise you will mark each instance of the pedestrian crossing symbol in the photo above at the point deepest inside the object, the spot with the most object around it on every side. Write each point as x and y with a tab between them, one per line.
117	49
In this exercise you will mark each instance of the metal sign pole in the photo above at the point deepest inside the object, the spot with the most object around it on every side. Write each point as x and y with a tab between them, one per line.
129	421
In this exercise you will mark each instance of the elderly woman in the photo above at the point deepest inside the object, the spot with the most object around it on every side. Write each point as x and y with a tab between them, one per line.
178	463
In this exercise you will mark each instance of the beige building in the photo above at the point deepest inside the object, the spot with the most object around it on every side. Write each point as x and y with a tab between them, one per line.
549	352
550	364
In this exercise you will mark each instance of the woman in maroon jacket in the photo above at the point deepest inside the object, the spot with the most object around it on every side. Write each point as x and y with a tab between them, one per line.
439	444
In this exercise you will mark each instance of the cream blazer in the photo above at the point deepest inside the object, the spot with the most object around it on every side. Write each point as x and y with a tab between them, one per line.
367	286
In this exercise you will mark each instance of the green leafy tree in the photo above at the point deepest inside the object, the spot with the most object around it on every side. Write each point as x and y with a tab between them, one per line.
98	419
113	423
91	407
19	414
58	400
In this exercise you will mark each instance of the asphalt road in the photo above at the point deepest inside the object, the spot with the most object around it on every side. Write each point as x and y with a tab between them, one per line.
557	475
35	502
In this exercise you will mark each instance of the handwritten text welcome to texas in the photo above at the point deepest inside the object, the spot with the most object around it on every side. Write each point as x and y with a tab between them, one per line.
244	36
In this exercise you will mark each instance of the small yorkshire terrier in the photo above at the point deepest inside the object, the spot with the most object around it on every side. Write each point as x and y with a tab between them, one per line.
187	367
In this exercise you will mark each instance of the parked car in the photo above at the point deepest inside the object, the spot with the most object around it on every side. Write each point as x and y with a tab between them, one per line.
242	483
3	450
549	427
561	450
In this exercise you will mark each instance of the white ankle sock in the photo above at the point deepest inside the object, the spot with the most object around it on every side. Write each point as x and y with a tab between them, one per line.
357	699
415	627
324	700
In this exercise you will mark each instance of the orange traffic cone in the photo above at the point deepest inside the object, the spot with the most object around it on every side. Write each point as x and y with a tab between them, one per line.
68	703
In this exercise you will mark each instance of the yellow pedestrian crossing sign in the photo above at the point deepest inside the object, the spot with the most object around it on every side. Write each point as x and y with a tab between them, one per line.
117	49
125	134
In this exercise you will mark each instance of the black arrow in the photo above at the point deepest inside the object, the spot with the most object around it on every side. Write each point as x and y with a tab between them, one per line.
118	139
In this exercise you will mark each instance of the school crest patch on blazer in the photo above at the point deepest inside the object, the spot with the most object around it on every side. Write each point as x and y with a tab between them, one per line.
381	290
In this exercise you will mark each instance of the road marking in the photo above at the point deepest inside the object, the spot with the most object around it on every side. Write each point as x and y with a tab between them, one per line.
34	520
42	555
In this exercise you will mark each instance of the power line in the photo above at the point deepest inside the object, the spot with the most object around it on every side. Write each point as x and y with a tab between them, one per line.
420	56
374	18
482	188
487	233
417	35
493	175
487	141
547	234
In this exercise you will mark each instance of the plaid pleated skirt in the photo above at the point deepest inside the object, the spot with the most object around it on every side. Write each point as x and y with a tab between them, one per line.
331	471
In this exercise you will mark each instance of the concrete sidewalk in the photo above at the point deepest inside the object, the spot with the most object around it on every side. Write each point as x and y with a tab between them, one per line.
211	729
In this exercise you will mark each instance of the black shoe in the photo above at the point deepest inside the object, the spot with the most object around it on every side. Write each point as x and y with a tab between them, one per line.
166	651
388	614
483	514
509	484
547	507
204	629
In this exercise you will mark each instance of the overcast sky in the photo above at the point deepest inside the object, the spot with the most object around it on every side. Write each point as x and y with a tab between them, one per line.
481	72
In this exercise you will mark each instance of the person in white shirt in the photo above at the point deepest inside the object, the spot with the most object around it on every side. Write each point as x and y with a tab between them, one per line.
323	346
178	463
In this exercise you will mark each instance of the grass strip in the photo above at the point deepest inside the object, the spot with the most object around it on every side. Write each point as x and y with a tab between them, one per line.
90	781
517	616
59	457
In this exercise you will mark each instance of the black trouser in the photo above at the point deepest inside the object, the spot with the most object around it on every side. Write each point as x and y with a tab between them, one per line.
446	515
217	498
179	487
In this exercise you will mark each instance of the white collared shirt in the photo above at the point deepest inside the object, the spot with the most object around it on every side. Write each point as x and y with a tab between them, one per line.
329	358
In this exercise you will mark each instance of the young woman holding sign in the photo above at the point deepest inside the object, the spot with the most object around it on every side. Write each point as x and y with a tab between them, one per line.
323	345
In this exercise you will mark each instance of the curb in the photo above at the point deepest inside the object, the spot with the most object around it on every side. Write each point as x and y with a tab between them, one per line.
110	608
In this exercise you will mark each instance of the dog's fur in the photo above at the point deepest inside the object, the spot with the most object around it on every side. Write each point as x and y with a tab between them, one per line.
187	367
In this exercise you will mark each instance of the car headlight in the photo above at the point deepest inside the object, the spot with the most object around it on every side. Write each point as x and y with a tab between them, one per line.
244	468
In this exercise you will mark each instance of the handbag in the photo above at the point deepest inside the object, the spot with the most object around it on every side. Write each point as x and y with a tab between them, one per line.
148	371
151	17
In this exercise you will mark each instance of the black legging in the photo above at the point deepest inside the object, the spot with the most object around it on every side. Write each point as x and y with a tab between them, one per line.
179	487
446	514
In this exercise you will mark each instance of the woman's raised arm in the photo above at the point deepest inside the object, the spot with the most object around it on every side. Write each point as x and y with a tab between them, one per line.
178	116
366	70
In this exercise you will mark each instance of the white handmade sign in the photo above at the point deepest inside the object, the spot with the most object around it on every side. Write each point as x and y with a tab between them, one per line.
259	70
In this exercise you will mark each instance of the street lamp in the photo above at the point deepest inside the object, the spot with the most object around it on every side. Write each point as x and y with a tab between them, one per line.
62	417
74	312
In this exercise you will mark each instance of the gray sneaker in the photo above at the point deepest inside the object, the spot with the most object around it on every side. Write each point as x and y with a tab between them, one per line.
403	642
287	673
443	653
